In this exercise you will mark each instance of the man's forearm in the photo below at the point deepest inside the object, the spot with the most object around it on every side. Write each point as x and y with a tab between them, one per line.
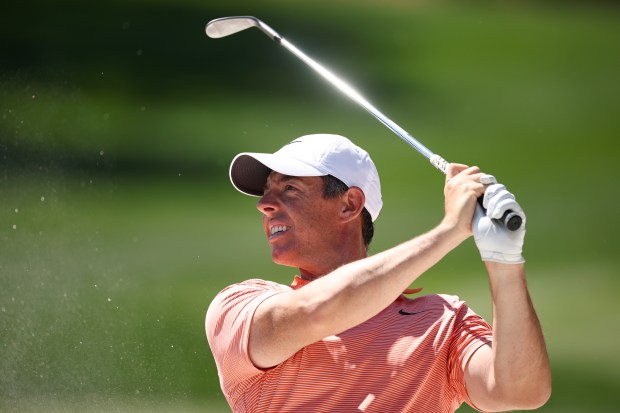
520	364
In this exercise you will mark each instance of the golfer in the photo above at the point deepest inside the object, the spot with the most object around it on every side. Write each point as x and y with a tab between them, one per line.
347	335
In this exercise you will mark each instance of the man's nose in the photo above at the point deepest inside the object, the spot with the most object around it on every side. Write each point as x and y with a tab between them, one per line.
268	204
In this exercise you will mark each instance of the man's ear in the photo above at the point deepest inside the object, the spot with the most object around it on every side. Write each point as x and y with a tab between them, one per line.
353	201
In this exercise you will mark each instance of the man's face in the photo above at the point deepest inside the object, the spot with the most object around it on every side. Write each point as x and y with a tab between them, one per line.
300	224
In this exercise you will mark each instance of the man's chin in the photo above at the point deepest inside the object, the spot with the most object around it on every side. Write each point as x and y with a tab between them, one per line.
283	259
284	263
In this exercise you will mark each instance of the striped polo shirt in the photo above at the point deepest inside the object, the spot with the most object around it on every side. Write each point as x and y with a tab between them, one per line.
408	358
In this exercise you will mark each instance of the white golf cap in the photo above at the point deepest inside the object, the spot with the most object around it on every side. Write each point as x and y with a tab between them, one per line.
311	155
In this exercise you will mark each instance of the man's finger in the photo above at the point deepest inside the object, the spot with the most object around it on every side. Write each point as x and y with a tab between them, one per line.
454	169
487	179
490	192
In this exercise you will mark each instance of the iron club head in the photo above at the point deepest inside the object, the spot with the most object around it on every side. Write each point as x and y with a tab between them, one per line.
225	26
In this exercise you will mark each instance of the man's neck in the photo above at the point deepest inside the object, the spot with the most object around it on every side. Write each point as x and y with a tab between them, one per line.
325	267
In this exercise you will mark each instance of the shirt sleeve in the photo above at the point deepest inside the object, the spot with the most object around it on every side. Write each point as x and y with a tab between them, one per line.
227	325
470	333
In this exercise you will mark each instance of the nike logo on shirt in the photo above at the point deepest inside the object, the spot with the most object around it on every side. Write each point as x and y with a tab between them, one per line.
403	312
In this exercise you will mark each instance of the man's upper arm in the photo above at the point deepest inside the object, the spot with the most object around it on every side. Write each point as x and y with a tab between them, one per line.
470	352
281	326
478	376
228	324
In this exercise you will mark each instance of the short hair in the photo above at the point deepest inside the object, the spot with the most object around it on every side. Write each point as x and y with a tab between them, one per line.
334	187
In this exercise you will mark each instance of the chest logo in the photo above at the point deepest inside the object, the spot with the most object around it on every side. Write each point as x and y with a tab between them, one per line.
403	312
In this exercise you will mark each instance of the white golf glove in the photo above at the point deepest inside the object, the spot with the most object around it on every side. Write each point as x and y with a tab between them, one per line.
494	241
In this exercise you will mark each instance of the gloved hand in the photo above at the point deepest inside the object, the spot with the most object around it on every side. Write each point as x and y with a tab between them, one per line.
494	241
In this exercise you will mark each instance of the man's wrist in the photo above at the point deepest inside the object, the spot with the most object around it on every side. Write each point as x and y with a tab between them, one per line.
501	258
453	229
501	273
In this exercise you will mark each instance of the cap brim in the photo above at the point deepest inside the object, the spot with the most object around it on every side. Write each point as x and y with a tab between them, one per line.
249	171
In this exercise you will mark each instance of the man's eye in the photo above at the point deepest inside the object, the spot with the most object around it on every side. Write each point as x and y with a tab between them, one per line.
289	188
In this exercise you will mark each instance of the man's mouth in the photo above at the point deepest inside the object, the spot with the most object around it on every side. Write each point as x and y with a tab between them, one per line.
278	229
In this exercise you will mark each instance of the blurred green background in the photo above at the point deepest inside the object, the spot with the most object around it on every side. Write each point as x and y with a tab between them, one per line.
118	225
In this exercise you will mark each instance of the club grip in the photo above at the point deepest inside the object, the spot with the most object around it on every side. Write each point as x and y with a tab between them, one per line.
511	219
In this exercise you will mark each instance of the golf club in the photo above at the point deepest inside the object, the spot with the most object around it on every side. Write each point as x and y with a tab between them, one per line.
226	26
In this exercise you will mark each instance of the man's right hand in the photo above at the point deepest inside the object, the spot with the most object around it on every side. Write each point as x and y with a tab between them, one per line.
462	189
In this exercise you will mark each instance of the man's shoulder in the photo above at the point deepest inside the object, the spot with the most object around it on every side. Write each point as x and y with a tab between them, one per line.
253	284
238	299
246	290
